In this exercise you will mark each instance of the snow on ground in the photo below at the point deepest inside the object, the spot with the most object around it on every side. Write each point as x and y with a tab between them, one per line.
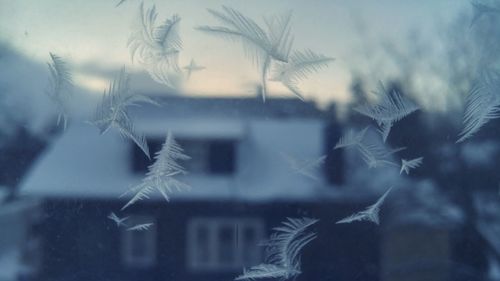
10	264
14	218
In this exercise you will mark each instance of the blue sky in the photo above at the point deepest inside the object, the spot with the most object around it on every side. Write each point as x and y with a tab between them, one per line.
92	35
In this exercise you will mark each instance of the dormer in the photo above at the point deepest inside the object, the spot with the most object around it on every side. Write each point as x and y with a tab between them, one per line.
209	156
212	145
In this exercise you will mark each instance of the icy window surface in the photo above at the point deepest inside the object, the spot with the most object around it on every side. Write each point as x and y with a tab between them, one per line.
249	140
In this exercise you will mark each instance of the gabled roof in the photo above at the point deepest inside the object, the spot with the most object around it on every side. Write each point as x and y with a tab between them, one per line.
83	164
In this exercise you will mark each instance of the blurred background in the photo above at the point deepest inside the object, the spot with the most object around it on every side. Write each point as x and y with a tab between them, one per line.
251	164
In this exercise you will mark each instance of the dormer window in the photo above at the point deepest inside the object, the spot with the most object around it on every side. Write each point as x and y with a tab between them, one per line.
208	156
221	157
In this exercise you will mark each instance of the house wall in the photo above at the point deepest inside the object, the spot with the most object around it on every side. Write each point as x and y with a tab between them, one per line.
412	252
78	237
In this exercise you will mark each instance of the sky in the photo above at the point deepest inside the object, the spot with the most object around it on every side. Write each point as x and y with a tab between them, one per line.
92	36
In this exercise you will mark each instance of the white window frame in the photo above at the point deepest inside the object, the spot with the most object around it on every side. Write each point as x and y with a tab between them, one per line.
214	226
127	255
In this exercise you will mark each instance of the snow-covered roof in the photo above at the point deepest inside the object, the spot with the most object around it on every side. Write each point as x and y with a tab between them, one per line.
228	108
193	128
83	164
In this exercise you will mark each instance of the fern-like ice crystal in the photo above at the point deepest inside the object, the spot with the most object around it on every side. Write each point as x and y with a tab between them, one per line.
307	167
140	227
374	154
112	111
261	45
60	87
482	105
161	174
390	108
120	2
300	65
407	165
369	214
192	67
119	221
157	46
266	271
351	138
283	251
480	10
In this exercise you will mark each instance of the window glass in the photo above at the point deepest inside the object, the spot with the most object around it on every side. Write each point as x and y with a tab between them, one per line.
222	157
227	245
139	246
246	140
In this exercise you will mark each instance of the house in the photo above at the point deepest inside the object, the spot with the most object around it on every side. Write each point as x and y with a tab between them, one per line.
242	187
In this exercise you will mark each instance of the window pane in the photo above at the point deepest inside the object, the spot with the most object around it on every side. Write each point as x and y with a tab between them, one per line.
202	246
222	157
250	248
227	243
139	244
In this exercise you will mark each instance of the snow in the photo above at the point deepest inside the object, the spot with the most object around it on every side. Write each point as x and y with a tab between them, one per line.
493	269
480	153
193	128
16	207
423	203
10	265
488	223
84	164
449	164
14	219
